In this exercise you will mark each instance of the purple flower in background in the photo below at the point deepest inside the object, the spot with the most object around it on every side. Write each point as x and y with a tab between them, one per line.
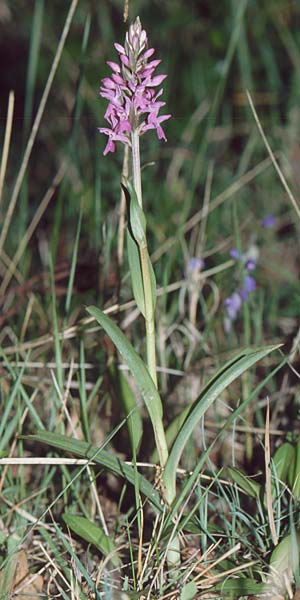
234	253
195	264
268	221
250	264
132	92
234	302
248	287
233	305
193	268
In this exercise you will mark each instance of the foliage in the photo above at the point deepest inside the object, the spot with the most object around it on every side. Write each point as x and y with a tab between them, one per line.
106	524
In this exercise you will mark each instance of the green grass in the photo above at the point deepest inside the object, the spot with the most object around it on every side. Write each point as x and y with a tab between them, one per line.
98	528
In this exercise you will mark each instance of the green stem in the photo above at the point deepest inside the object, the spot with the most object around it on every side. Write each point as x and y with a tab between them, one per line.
149	314
136	165
144	256
173	554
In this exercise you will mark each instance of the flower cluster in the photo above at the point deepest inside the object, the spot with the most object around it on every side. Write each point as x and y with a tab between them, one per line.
234	302
131	90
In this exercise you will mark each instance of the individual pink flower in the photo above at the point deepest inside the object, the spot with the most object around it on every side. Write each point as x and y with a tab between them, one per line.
132	92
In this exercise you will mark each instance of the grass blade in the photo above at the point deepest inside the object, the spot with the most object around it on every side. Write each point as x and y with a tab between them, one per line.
209	394
101	457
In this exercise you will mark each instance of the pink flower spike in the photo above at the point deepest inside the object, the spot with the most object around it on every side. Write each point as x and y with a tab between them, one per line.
124	60
108	83
143	38
119	48
153	64
157	80
114	66
118	79
135	42
132	91
148	53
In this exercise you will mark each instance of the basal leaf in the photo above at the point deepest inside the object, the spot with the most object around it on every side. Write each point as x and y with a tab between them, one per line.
215	386
101	457
188	591
130	407
296	482
283	459
141	375
93	534
172	430
238	587
248	485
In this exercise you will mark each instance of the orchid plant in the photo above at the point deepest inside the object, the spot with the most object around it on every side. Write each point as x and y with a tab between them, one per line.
134	104
132	110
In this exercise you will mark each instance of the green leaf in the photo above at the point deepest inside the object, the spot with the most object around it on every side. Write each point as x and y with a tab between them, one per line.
141	375
282	459
172	430
152	281
296	477
93	534
249	486
136	240
137	219
130	407
284	559
188	591
239	587
135	272
215	386
101	457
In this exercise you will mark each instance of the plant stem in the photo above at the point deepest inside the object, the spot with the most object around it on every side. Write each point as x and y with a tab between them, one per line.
144	257
149	314
136	165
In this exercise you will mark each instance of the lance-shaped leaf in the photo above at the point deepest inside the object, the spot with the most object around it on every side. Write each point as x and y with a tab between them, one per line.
92	533
295	472
283	459
100	457
248	485
172	430
215	386
135	272
136	241
137	219
141	375
131	409
137	222
284	564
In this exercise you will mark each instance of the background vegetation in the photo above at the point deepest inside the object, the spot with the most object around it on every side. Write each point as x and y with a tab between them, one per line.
206	191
